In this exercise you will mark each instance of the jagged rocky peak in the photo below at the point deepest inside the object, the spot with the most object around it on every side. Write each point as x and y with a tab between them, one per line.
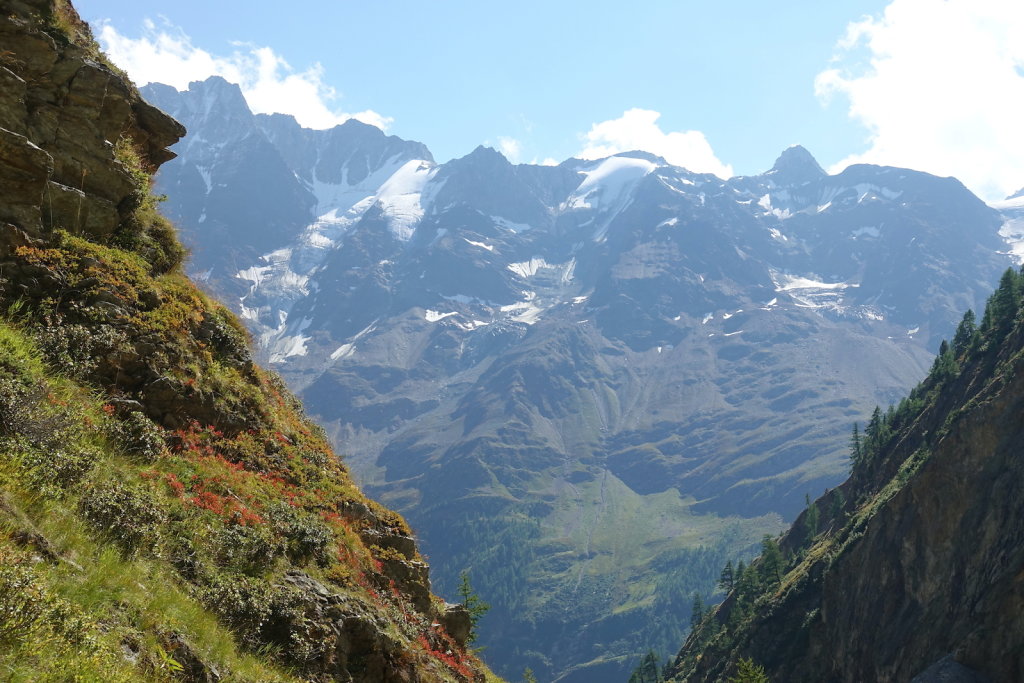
218	89
486	156
1018	194
796	166
347	153
214	99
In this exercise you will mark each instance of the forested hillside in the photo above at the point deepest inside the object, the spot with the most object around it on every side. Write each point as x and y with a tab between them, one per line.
912	566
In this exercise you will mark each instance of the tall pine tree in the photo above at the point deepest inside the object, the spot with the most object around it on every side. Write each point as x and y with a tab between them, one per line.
727	579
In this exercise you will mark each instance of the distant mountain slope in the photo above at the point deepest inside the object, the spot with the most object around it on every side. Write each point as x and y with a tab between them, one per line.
542	358
167	512
911	569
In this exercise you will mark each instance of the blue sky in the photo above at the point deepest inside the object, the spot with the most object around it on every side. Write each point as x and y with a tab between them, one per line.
724	85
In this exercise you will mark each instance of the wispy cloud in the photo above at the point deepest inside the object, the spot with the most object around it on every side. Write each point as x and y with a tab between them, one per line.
638	129
511	148
939	87
166	54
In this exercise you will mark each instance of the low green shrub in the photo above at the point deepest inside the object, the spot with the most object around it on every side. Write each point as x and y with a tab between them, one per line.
242	602
59	467
128	515
246	548
137	436
307	538
22	601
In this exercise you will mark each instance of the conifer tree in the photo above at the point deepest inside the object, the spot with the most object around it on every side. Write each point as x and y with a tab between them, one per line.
856	447
838	503
476	607
965	332
771	565
748	672
741	569
811	523
648	671
874	427
697	611
1001	308
727	579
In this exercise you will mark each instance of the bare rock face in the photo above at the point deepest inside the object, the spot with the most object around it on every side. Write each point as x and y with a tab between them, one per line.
23	179
62	114
457	621
332	636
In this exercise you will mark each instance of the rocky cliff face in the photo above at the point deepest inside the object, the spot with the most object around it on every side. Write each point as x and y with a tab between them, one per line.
916	572
142	453
62	113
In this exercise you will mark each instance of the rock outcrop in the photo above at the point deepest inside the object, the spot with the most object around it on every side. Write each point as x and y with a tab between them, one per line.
63	112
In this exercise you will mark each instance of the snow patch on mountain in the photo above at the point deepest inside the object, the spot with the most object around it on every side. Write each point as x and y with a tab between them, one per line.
786	283
809	292
510	225
482	245
282	346
400	197
348	349
607	189
1012	230
868	230
432	316
528	269
525	311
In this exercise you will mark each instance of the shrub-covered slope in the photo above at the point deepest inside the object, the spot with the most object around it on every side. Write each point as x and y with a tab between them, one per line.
913	566
166	510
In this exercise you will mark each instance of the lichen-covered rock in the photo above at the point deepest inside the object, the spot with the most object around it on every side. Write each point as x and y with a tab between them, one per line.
333	637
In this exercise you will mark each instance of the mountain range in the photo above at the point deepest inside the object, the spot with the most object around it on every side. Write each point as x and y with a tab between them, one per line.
586	385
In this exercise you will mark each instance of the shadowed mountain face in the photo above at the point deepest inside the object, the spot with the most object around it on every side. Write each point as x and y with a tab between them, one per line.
585	384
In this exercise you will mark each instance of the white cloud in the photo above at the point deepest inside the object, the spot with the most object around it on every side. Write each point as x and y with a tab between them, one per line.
269	83
637	129
941	89
511	148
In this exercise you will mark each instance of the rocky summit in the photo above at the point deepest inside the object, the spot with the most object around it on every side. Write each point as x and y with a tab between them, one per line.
587	385
166	510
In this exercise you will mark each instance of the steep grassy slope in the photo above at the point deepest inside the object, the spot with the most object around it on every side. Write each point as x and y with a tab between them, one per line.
166	511
913	565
